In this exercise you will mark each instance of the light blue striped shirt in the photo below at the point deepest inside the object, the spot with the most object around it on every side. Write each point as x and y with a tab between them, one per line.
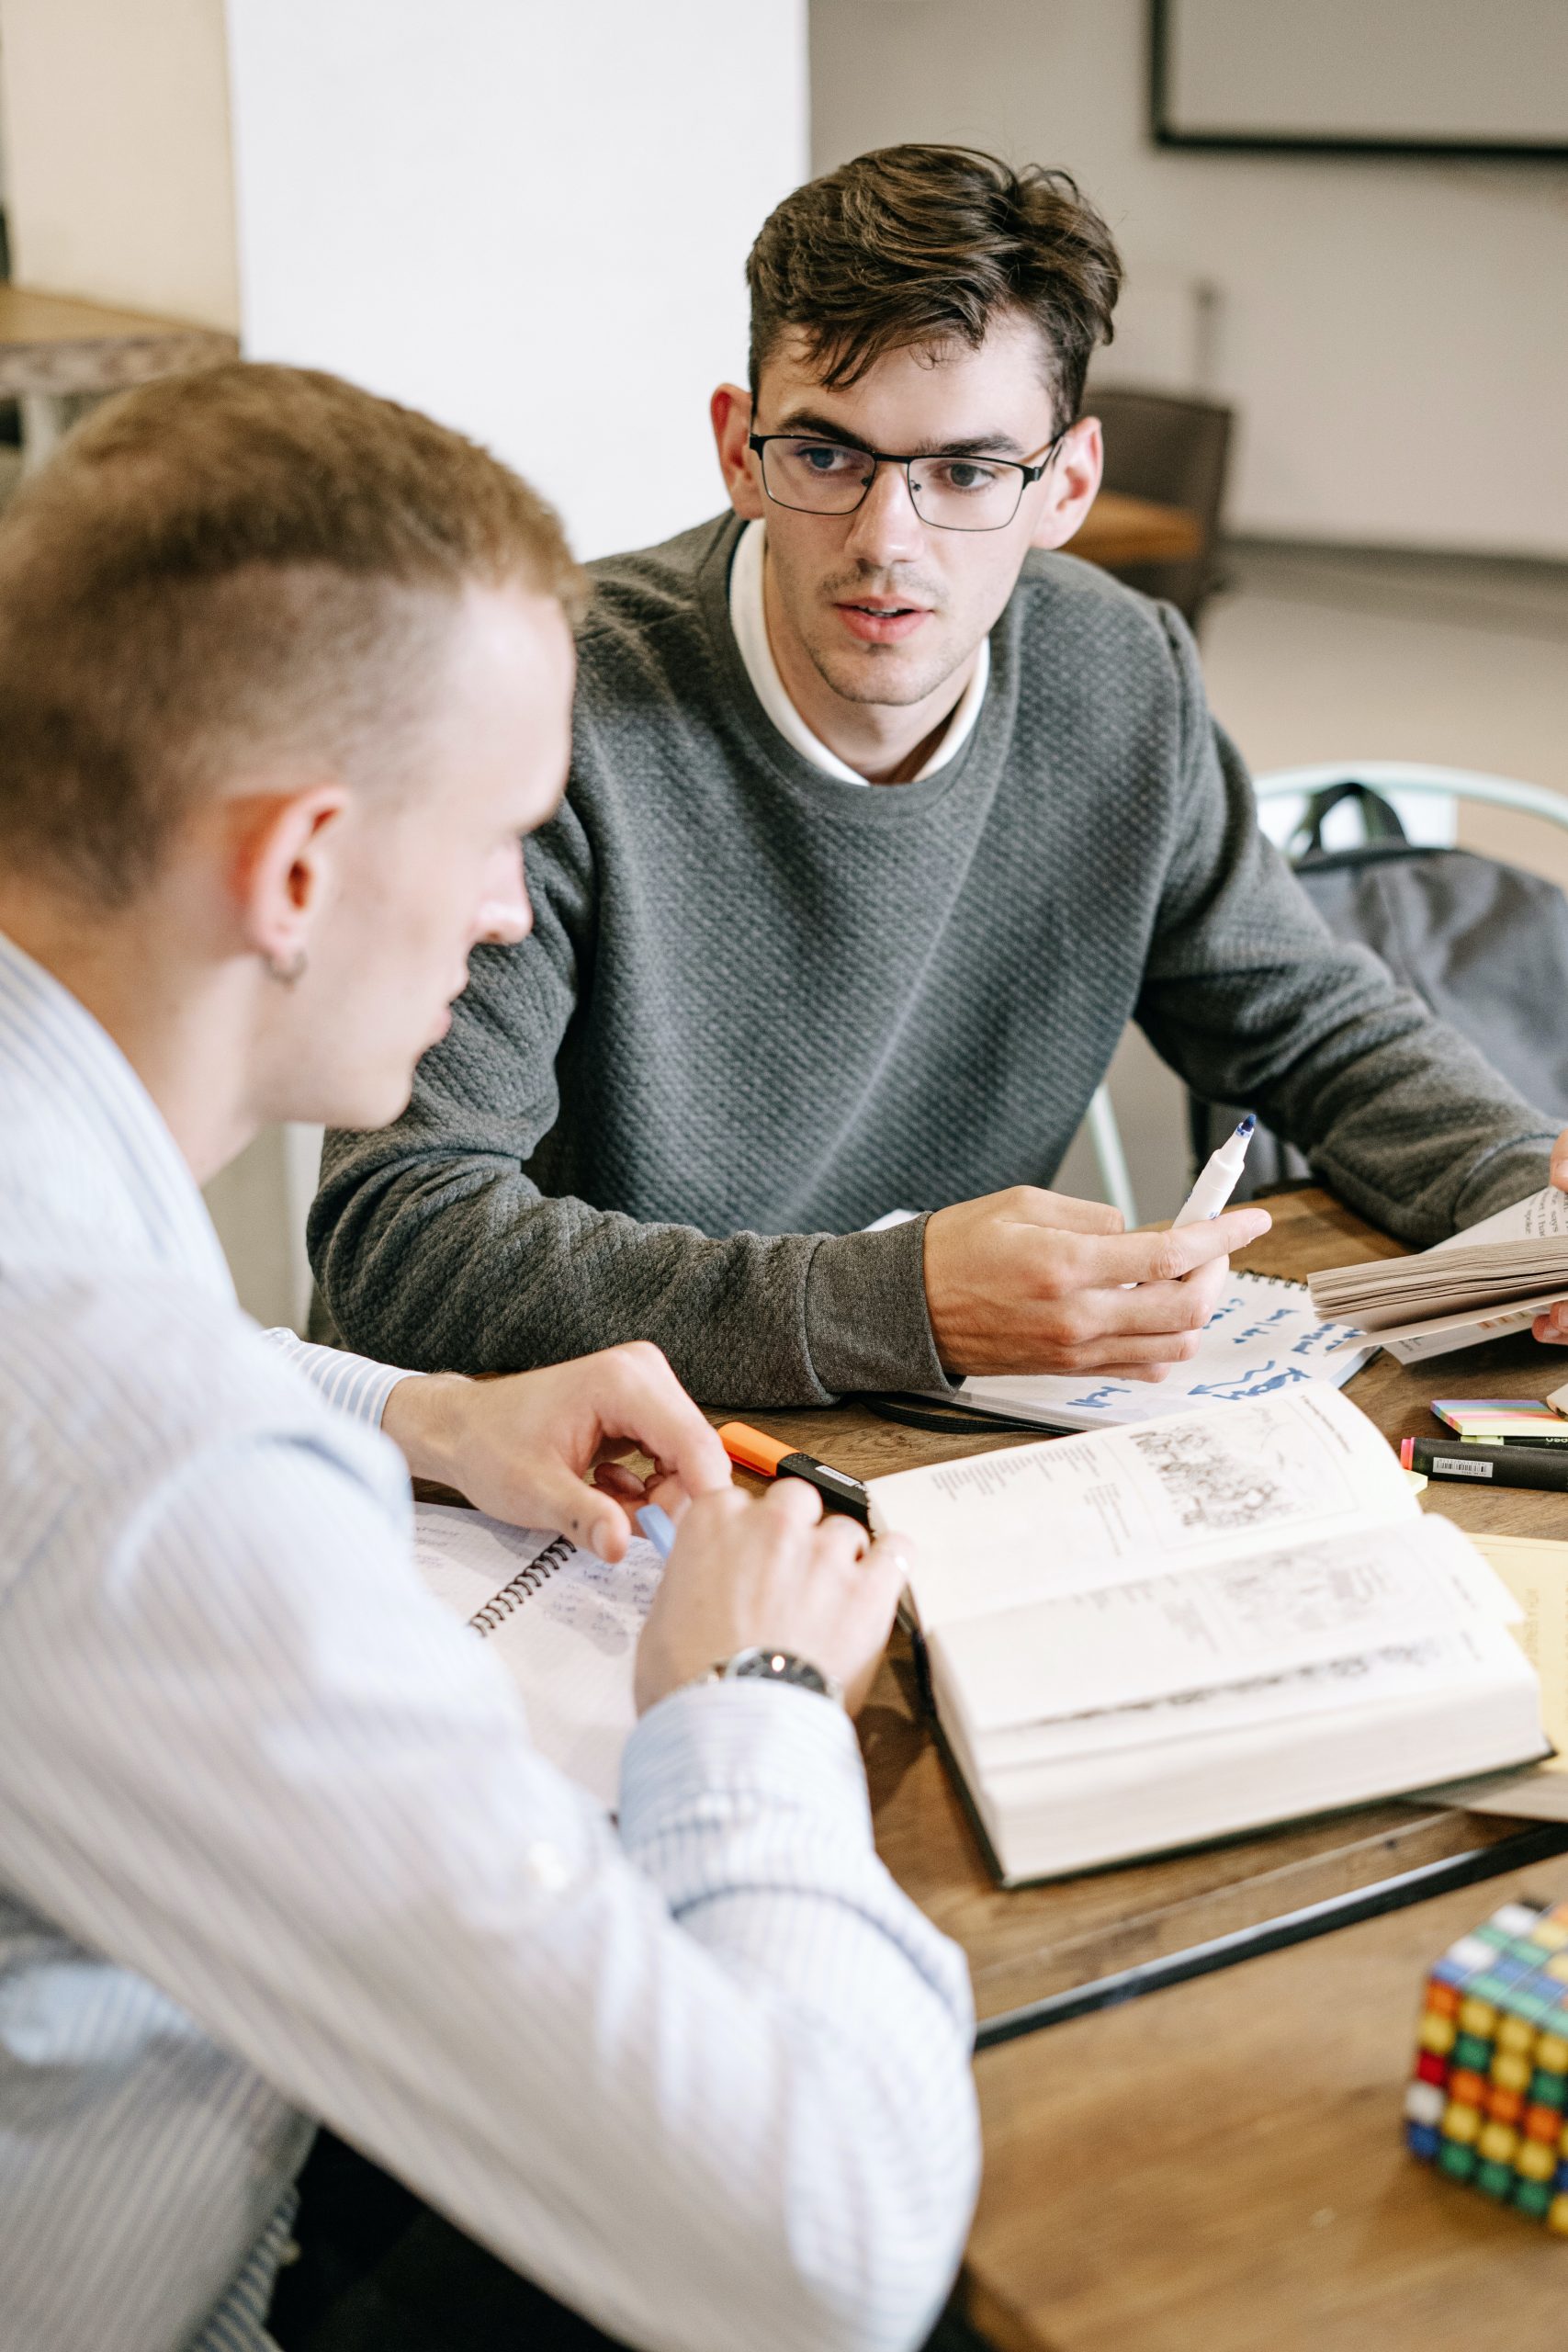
274	1845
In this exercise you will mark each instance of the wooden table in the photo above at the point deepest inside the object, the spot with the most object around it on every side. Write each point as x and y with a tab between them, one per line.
1218	2166
1038	1954
1119	530
52	345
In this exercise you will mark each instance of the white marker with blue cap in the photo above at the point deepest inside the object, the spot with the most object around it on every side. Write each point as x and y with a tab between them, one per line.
1219	1179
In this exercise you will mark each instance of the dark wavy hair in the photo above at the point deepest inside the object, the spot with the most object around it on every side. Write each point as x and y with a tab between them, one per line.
926	245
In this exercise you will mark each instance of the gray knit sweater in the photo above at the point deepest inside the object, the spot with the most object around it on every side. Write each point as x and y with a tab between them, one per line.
760	1006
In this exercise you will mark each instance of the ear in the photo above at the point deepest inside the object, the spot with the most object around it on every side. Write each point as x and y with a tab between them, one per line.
282	865
1071	485
730	409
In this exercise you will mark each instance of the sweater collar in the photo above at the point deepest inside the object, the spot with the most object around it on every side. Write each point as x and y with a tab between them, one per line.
748	620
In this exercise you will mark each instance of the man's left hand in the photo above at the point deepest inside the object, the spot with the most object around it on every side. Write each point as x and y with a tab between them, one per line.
1553	1326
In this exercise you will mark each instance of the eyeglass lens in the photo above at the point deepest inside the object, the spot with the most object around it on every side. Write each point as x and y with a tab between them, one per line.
956	493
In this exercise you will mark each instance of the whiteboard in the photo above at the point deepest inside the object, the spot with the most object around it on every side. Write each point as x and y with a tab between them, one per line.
1413	76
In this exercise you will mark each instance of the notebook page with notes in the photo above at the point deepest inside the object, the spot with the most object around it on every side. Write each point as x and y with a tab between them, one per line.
564	1623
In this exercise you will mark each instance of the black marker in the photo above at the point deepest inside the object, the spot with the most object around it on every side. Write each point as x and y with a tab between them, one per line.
1488	1465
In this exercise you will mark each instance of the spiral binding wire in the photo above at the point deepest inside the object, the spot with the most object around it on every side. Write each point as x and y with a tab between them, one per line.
512	1594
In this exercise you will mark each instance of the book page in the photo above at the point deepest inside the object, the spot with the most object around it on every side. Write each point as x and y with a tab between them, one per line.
1170	1634
566	1635
1076	1513
1444	1335
1542	1217
1475	1652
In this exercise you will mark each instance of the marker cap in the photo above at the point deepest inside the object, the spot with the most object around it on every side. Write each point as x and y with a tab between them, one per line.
753	1449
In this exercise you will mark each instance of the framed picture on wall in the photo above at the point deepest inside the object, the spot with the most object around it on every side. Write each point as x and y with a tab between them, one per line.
1362	77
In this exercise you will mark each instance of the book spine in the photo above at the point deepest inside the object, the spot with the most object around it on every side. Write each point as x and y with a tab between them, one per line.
518	1589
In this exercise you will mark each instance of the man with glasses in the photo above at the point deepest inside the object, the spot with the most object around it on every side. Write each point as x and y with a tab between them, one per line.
885	818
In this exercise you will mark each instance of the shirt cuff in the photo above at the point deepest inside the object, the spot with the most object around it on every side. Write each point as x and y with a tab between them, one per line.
867	1325
1510	1173
709	1753
352	1384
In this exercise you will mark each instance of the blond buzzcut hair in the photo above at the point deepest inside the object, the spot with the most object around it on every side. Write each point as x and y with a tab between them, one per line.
244	566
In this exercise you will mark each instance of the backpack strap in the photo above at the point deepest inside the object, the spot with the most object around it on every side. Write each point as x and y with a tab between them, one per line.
1380	819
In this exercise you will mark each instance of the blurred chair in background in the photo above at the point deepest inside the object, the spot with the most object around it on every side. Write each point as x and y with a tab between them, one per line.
1177	451
1484	944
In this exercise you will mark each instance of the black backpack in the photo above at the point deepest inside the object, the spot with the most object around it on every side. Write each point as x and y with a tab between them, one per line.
1484	945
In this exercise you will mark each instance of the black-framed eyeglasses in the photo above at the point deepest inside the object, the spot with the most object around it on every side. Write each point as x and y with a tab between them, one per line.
949	491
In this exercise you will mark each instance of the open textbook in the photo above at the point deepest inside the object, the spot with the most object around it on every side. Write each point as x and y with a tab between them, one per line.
1492	1279
1263	1338
564	1623
1151	1636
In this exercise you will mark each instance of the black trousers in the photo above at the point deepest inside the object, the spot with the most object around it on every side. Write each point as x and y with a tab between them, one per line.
379	2272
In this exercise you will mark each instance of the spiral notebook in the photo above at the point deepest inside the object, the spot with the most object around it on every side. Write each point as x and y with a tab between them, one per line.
1264	1339
564	1623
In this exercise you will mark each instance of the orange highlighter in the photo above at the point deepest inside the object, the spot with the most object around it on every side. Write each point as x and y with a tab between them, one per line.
769	1459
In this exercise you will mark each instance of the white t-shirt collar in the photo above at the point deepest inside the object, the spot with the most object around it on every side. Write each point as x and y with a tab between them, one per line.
748	620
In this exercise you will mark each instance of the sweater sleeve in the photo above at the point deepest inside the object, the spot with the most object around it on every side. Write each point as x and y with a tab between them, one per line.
436	1249
1251	1000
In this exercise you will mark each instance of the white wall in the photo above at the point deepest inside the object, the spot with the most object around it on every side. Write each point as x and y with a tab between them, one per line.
529	218
116	132
1394	334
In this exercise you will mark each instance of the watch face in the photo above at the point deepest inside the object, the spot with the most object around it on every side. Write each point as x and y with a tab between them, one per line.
779	1665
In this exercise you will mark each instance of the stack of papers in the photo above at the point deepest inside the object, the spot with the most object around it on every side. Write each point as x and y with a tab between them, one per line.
1493	1279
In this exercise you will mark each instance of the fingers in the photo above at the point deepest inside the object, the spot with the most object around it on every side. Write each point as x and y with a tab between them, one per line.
793	1502
1559	1161
614	1478
1168	1257
588	1515
639	1398
1551	1327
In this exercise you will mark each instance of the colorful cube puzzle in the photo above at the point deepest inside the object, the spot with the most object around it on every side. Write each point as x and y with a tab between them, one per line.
1488	2102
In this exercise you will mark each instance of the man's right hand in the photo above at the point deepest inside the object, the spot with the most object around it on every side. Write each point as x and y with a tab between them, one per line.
1028	1281
770	1575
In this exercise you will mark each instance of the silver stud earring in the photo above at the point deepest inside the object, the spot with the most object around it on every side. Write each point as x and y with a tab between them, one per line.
288	974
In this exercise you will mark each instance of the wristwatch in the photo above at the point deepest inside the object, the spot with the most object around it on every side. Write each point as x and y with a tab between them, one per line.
777	1666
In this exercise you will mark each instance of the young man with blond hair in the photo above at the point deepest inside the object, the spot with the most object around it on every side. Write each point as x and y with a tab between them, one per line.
284	677
885	818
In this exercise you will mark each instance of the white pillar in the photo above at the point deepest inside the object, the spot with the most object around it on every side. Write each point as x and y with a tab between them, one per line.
530	218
